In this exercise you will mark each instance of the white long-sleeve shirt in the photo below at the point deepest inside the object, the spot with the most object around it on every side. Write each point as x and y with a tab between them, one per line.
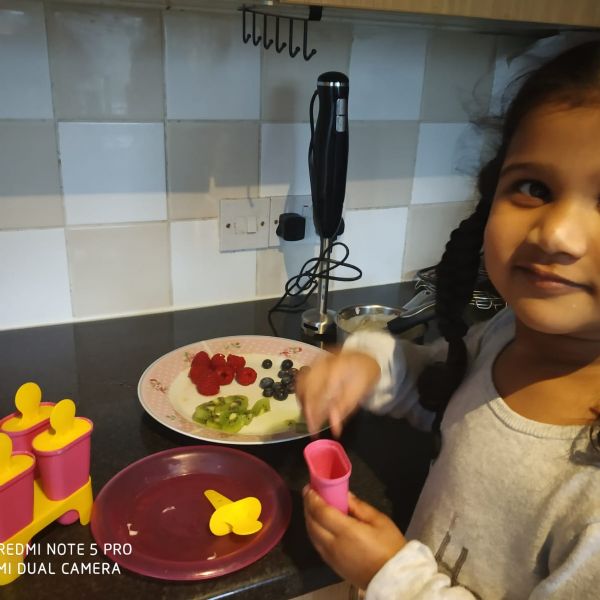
510	508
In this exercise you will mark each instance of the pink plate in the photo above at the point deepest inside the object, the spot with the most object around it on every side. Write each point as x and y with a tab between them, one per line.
158	506
168	396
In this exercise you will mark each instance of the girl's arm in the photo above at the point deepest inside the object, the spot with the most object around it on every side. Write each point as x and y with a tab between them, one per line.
401	362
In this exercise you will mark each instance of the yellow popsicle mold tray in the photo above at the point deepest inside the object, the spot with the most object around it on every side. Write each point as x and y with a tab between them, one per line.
63	429
45	511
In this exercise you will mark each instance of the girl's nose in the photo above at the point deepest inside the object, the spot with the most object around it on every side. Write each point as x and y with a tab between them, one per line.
561	229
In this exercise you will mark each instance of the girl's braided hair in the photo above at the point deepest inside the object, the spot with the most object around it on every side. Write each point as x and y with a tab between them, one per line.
572	79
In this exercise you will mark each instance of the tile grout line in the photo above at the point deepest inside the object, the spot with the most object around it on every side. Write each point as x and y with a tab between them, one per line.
45	9
163	55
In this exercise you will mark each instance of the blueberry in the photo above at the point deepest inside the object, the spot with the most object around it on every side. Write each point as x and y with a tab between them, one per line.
287	379
266	382
267	363
287	364
267	392
282	373
291	387
280	394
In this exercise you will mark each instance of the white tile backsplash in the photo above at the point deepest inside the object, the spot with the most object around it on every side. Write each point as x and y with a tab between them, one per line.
29	179
375	238
106	63
113	172
34	278
429	228
381	162
284	159
24	77
209	161
119	270
210	73
201	274
123	126
386	73
445	152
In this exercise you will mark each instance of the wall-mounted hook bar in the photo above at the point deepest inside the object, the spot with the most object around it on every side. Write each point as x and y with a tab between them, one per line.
277	46
255	38
245	36
291	42
305	44
266	45
315	13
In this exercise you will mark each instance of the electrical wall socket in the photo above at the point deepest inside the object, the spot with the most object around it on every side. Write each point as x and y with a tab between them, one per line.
292	204
243	223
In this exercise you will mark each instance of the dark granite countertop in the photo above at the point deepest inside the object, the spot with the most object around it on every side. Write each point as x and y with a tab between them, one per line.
98	364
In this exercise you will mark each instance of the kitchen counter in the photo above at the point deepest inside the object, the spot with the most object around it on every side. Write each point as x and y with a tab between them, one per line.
98	364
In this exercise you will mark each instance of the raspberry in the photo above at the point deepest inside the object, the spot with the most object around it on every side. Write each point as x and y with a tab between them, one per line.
201	359
197	371
245	376
237	362
225	374
208	384
218	360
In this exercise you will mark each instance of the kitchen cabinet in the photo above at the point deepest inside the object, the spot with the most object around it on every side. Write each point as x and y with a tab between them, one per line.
581	13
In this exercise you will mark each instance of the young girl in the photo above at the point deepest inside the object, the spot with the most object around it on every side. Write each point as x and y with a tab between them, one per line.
511	505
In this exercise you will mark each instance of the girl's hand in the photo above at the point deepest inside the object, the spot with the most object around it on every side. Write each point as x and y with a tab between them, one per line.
334	387
356	545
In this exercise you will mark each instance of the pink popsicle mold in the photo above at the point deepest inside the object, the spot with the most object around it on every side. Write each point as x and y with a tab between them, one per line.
329	468
16	500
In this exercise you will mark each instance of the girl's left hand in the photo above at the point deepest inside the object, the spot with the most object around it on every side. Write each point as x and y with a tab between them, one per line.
356	545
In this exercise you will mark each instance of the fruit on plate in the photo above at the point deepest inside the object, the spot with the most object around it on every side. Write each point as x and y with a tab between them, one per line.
229	413
209	373
245	376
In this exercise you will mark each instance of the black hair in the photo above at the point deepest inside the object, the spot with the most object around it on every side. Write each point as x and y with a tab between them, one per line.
572	79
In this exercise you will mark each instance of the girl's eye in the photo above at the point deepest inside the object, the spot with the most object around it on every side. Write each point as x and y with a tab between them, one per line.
533	188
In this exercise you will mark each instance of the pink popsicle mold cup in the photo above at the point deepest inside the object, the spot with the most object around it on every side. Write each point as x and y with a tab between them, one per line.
65	470
329	468
16	501
22	439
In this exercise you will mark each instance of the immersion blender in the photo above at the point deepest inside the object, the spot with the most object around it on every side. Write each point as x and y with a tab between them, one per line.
327	166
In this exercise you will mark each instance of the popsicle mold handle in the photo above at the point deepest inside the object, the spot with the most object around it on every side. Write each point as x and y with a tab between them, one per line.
329	468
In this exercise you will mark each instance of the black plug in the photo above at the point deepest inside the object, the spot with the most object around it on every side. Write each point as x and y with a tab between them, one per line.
291	227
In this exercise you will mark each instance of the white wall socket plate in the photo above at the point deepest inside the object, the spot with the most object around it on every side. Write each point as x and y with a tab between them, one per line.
292	204
243	223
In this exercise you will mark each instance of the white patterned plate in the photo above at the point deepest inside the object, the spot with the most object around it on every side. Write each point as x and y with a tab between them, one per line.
168	395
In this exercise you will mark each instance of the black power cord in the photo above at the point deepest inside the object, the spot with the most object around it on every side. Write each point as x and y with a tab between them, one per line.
307	281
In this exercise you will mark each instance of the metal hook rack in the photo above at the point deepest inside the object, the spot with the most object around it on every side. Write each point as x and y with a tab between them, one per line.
315	13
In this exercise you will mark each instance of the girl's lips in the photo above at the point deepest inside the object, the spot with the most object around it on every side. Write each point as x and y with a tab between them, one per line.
550	282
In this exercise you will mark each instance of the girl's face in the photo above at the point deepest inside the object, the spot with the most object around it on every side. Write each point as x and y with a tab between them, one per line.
542	239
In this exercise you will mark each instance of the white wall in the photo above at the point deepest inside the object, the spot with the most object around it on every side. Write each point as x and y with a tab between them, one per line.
121	128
